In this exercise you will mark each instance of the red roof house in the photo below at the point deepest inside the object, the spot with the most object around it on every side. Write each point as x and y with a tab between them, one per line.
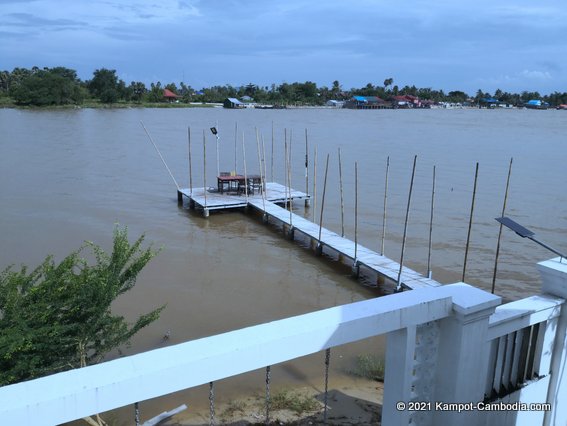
169	95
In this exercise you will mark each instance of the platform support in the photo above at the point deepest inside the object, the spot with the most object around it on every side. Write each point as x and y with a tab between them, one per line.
205	212
179	198
264	218
191	204
319	249
307	202
355	269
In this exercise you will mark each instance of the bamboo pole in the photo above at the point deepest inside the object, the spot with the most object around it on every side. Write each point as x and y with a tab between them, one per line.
217	139
319	247
399	283
500	230
260	167
385	203
429	274
272	165
470	224
160	156
306	168
264	163
245	171
190	163
355	212
314	183
205	168
235	144
289	185
341	192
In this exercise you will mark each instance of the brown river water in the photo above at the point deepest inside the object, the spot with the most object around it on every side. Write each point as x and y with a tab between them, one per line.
70	176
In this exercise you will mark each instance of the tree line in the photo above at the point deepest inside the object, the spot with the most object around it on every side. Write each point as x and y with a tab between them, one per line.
61	86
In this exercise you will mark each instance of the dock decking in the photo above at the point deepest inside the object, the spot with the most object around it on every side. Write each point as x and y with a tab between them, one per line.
276	193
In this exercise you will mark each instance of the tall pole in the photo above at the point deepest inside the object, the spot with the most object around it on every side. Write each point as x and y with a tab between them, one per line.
500	230
235	143
341	192
264	163
355	213
289	183
431	226
306	168
314	183
323	200
470	224
245	171
261	171
217	138
190	165
205	167
399	284
385	203
272	165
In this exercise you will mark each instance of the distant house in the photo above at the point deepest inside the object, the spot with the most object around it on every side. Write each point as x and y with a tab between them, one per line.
536	104
233	103
366	102
406	101
488	103
169	96
335	104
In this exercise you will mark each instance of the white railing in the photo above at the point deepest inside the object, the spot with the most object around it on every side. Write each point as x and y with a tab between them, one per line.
448	344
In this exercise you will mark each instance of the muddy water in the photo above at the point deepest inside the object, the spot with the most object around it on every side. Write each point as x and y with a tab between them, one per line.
70	176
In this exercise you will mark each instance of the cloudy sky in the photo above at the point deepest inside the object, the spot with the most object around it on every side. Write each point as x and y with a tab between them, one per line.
465	45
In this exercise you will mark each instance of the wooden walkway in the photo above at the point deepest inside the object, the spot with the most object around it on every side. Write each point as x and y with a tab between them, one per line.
210	199
381	265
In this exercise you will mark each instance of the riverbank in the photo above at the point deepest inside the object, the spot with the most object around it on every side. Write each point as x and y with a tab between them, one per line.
9	103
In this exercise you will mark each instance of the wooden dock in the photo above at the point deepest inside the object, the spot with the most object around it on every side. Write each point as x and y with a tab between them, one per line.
345	248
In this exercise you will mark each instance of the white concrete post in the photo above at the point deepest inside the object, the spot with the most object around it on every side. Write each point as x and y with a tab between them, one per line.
554	281
400	349
463	355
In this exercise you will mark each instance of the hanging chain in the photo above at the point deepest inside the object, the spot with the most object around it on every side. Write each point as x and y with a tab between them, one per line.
326	397
137	413
268	400
212	403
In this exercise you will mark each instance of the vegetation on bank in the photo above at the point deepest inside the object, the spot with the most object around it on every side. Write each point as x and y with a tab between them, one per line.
58	316
61	86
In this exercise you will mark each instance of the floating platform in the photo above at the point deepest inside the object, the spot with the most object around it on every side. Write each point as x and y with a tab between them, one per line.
211	199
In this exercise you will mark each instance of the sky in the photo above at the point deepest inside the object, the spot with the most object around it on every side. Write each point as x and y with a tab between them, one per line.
512	45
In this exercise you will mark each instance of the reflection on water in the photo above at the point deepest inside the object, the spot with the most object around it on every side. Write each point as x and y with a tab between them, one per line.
70	176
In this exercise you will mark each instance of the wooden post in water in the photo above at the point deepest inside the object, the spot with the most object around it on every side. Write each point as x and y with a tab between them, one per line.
314	183
264	187
355	265
235	143
470	224
291	230
429	273
385	203
217	140
265	215
205	210
319	245
500	230
307	202
245	171
399	283
191	201
272	165
341	193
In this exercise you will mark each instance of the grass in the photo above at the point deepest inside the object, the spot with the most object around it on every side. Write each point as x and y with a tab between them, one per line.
296	402
369	366
233	408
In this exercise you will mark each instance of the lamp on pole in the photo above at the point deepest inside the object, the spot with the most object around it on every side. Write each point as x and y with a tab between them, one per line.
526	233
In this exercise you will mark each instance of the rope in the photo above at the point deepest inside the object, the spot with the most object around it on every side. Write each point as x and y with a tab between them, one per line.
268	398
159	153
326	397
212	403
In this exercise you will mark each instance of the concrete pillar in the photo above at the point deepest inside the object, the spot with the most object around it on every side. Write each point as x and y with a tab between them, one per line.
554	282
319	249
307	202
462	356
355	269
179	198
205	212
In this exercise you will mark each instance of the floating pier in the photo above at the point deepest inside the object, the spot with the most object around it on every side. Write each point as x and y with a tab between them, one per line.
320	237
